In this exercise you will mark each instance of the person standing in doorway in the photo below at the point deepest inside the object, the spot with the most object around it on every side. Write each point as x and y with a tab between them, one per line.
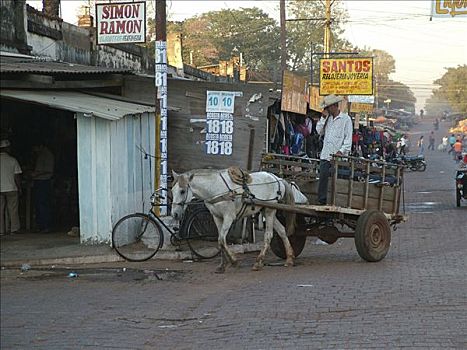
42	177
336	127
10	190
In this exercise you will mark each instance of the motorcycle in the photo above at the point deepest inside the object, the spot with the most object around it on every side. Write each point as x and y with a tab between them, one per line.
461	186
414	163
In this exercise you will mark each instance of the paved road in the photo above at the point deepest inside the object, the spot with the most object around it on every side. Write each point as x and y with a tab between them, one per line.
415	298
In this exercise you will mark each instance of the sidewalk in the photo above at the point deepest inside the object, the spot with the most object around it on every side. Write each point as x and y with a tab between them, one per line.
39	249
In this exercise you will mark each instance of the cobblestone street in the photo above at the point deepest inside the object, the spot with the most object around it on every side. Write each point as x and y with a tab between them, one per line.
415	298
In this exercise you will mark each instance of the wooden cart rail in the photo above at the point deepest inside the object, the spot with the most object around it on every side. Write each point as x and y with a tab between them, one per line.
319	210
356	183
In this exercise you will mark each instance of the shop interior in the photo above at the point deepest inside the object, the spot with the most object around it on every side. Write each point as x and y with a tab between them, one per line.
26	125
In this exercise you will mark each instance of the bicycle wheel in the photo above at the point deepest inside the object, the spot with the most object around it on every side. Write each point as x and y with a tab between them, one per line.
201	233
136	237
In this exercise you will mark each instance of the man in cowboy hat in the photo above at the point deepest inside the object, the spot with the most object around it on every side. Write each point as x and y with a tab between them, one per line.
10	187
337	130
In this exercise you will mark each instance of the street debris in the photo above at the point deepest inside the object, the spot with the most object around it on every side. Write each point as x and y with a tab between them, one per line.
25	267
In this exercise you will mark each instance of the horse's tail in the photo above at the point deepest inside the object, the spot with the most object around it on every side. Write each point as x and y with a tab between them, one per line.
290	217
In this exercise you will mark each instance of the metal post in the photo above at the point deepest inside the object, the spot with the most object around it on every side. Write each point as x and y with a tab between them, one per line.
283	38
161	99
327	30
311	65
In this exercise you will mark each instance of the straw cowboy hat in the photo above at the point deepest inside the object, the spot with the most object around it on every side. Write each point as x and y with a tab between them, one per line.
4	143
330	100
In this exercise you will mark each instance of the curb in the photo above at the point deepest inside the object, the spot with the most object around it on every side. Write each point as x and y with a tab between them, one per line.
110	258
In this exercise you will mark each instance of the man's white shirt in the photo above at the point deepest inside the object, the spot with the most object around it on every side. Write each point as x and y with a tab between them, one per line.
9	168
338	135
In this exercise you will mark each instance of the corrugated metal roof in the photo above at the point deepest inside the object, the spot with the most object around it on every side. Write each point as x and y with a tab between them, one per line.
79	102
34	66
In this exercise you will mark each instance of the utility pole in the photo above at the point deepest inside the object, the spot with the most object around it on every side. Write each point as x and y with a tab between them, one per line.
161	100
327	29
283	37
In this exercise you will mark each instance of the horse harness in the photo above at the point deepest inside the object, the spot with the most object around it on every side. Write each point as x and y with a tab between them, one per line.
246	194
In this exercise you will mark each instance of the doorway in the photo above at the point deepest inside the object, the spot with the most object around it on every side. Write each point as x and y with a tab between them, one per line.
26	125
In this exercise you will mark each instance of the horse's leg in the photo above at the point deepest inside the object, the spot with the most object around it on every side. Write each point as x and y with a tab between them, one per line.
280	229
226	223
269	215
223	226
221	267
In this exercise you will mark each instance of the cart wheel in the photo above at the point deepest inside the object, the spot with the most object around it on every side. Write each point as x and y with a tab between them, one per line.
277	246
372	236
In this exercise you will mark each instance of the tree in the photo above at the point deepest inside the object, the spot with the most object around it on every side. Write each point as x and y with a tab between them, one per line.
453	88
307	35
383	63
218	35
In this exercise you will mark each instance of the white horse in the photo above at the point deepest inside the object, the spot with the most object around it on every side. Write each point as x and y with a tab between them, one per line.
225	200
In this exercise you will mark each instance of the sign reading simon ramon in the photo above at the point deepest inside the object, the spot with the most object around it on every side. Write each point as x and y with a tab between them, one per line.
346	76
122	22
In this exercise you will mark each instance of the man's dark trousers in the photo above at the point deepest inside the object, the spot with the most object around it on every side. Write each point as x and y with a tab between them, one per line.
42	198
324	171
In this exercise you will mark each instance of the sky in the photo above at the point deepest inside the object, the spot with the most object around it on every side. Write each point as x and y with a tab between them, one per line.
422	48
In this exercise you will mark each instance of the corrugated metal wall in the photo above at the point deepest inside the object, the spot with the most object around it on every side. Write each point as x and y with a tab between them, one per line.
114	178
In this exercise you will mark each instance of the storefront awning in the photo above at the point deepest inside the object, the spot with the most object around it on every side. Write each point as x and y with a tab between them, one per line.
101	107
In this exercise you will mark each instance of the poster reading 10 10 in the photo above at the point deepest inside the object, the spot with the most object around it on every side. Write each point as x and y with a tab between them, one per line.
219	122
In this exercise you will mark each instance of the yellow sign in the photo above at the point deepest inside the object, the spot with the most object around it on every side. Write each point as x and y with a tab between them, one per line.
448	8
315	99
356	107
346	76
294	93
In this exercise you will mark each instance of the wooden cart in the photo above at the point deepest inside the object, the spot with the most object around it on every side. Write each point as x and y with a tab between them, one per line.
364	197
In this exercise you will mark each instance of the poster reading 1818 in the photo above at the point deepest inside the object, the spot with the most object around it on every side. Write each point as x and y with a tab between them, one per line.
219	133
219	122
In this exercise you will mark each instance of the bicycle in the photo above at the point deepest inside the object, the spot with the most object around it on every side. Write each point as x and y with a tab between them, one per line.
138	237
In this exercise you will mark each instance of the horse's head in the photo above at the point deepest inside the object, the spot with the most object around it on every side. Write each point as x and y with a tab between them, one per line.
181	194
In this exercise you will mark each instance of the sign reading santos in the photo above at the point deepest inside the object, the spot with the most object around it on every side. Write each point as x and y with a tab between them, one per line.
123	22
346	76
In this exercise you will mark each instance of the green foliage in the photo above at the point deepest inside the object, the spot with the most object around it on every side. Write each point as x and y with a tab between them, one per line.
383	63
453	88
218	35
305	36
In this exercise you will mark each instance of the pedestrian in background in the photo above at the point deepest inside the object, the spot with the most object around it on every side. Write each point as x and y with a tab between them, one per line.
42	176
431	140
445	143
457	150
403	144
452	141
10	190
420	145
